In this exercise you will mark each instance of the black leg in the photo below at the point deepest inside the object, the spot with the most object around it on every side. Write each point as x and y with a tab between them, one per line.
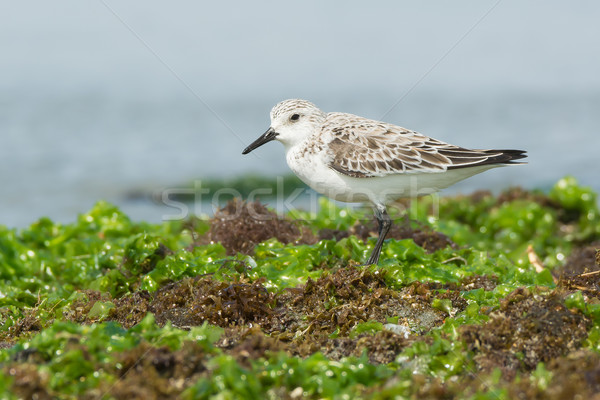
384	226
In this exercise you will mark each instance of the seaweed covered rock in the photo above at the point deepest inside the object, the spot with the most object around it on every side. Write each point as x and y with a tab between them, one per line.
239	226
336	313
106	306
582	260
582	270
525	330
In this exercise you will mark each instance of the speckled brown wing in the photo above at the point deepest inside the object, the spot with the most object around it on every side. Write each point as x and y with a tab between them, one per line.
363	148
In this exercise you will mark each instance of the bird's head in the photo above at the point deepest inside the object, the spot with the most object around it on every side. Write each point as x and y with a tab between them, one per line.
292	121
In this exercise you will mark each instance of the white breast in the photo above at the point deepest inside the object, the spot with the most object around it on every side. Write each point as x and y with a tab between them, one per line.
311	164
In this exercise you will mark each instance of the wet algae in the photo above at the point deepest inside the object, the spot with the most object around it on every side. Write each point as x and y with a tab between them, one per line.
251	304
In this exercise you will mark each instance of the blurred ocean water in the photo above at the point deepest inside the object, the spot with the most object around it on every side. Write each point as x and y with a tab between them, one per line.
98	101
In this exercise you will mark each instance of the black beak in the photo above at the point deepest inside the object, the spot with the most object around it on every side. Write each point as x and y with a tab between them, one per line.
266	137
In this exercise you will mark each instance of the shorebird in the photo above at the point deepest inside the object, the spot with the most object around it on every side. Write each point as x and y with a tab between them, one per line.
355	159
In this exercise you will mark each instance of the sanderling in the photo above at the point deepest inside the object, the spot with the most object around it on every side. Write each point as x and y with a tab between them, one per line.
355	159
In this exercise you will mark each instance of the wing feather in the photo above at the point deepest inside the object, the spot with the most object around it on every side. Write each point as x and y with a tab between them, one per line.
362	148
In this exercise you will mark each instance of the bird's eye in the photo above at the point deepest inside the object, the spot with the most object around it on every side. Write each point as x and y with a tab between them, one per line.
295	117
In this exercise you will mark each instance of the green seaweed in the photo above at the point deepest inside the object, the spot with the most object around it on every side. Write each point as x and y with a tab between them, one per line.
63	286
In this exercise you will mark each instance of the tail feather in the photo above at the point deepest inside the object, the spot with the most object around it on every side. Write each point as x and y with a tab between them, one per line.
487	157
506	156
